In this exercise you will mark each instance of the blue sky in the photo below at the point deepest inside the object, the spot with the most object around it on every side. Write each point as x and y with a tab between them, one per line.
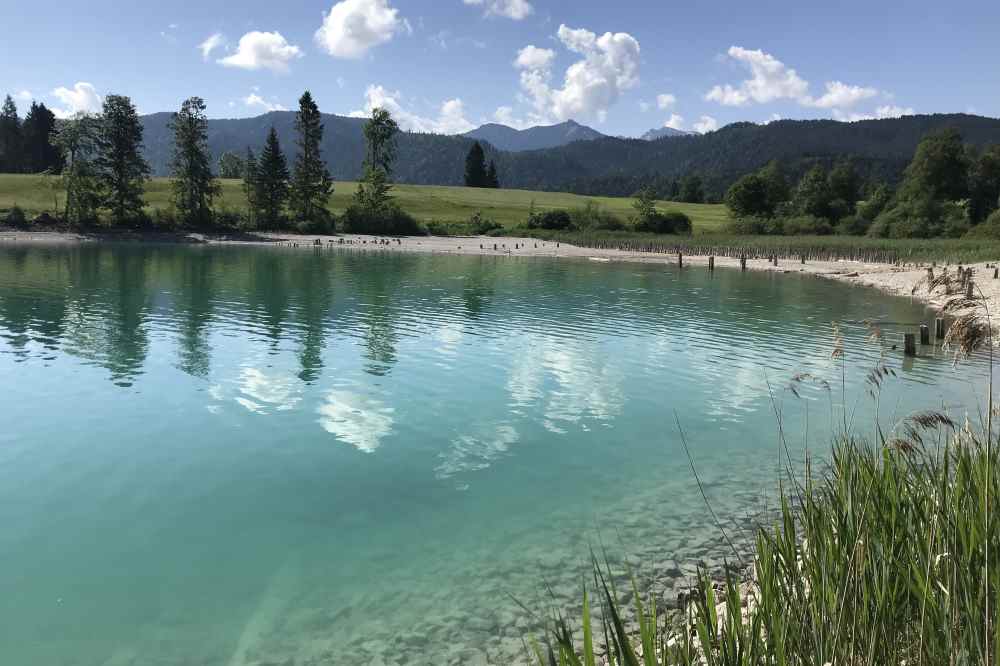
447	65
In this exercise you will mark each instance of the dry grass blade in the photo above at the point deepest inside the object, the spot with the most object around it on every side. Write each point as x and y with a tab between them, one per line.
967	334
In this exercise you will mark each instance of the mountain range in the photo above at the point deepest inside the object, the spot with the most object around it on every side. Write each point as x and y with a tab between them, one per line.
576	160
533	138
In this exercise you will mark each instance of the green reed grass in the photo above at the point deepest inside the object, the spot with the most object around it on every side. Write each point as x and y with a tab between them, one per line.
889	555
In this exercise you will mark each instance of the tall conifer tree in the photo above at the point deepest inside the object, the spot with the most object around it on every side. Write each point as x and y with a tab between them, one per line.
120	164
311	181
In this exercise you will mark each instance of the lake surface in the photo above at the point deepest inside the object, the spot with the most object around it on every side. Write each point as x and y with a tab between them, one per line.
239	455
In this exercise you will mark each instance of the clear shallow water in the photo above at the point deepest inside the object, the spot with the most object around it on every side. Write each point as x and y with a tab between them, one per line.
261	456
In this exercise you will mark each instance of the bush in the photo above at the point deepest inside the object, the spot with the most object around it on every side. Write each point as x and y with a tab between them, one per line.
481	226
229	219
390	221
16	217
164	219
439	228
322	224
853	225
755	226
670	222
555	220
921	218
988	229
592	218
807	225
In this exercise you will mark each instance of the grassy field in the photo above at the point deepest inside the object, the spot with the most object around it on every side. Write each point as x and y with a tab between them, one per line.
427	203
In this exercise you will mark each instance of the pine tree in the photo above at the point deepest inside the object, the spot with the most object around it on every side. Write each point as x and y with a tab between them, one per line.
250	175
272	182
10	137
492	178
311	181
120	164
39	153
475	167
191	167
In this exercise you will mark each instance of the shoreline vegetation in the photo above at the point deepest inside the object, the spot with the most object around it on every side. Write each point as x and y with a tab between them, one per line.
947	294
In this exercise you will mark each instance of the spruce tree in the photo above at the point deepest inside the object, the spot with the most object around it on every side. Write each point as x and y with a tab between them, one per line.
10	137
272	182
250	175
191	166
492	178
39	152
475	167
311	181
120	165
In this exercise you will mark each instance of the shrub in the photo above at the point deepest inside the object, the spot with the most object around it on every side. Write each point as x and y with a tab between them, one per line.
755	226
164	219
321	223
390	221
670	222
853	225
592	217
480	225
921	218
987	229
807	225
439	228
229	219
557	220
16	217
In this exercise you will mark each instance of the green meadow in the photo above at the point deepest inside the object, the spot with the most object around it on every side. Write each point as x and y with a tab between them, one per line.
36	194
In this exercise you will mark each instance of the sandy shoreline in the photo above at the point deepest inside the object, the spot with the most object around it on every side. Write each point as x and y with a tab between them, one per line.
908	281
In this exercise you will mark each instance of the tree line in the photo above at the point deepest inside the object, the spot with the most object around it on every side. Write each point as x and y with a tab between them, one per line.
949	189
26	146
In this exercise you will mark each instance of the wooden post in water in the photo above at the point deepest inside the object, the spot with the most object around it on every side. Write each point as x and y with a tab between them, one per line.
925	334
743	263
996	273
680	260
969	285
939	328
802	259
711	264
909	344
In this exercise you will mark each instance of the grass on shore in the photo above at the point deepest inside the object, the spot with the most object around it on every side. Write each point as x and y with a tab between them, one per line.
889	556
37	194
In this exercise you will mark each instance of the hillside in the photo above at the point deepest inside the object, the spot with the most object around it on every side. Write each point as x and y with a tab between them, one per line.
533	138
606	165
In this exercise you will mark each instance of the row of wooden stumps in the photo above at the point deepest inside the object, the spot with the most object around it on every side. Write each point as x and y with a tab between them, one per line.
910	339
773	259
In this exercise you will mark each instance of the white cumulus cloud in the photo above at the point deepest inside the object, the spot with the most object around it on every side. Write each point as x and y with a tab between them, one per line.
210	44
706	124
253	101
81	98
887	111
665	101
770	79
512	9
450	119
352	27
24	96
590	86
840	96
675	121
532	57
263	50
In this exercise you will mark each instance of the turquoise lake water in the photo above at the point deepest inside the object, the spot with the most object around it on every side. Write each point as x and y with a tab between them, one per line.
255	456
